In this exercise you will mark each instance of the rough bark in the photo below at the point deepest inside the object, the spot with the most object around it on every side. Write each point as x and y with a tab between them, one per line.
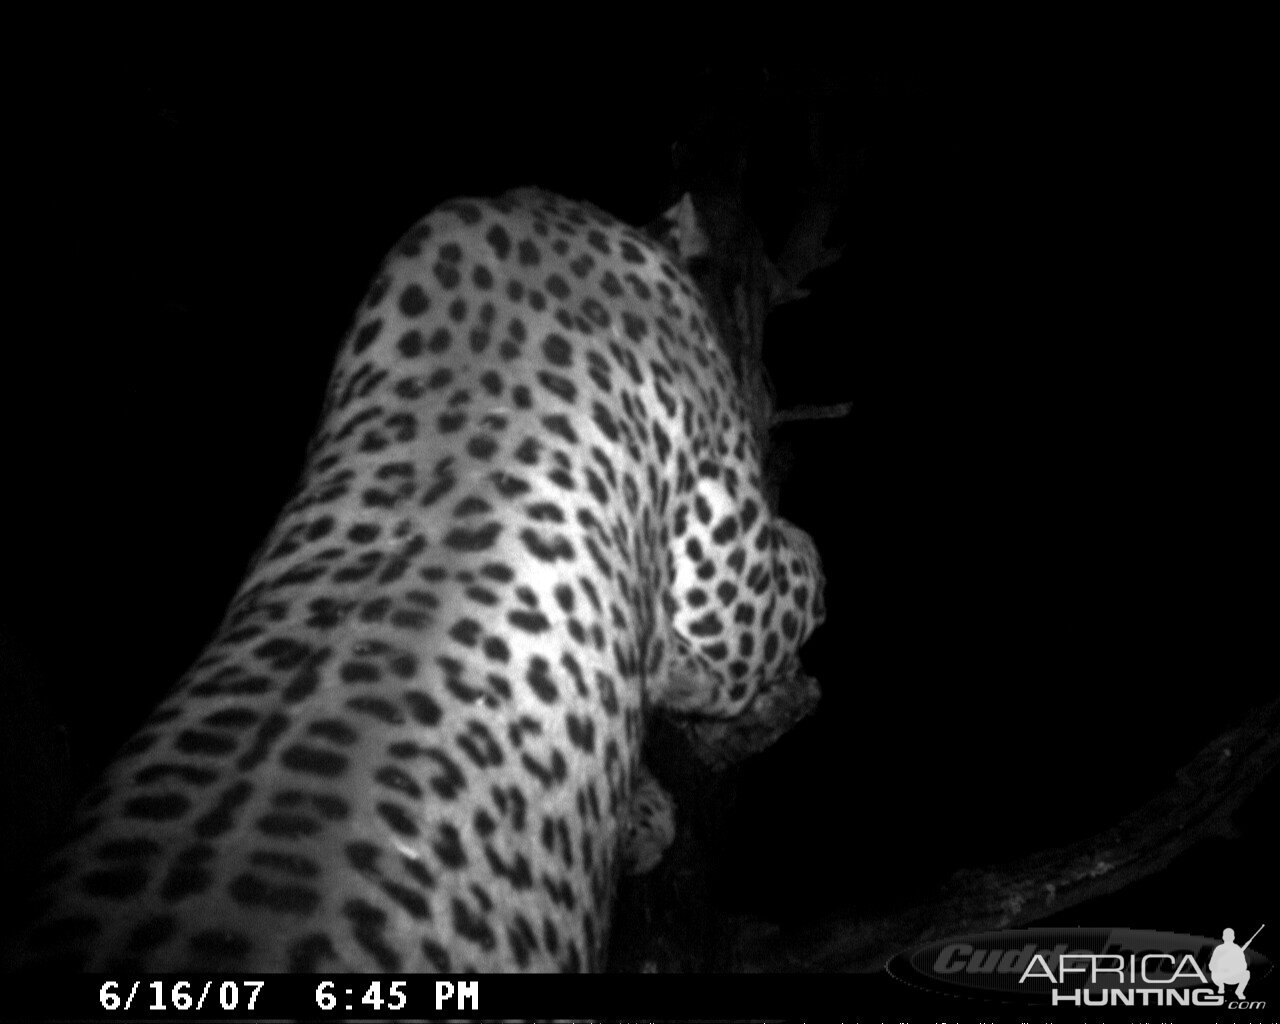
1199	805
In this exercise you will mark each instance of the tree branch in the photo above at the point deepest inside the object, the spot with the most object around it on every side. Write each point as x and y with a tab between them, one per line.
1199	805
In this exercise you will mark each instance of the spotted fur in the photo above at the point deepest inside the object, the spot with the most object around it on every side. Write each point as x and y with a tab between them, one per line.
532	512
651	825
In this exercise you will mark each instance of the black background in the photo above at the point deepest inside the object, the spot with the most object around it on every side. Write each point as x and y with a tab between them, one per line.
1041	525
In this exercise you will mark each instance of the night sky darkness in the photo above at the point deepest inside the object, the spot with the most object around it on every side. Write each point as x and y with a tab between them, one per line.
1039	526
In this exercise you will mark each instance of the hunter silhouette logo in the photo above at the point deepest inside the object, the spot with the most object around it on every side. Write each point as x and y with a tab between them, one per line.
1227	966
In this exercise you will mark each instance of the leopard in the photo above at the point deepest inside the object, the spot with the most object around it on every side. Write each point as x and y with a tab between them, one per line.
531	516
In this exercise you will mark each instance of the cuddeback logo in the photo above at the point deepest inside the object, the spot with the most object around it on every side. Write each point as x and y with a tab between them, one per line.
1089	967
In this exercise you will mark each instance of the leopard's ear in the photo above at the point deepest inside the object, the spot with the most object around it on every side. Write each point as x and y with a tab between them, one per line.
680	230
